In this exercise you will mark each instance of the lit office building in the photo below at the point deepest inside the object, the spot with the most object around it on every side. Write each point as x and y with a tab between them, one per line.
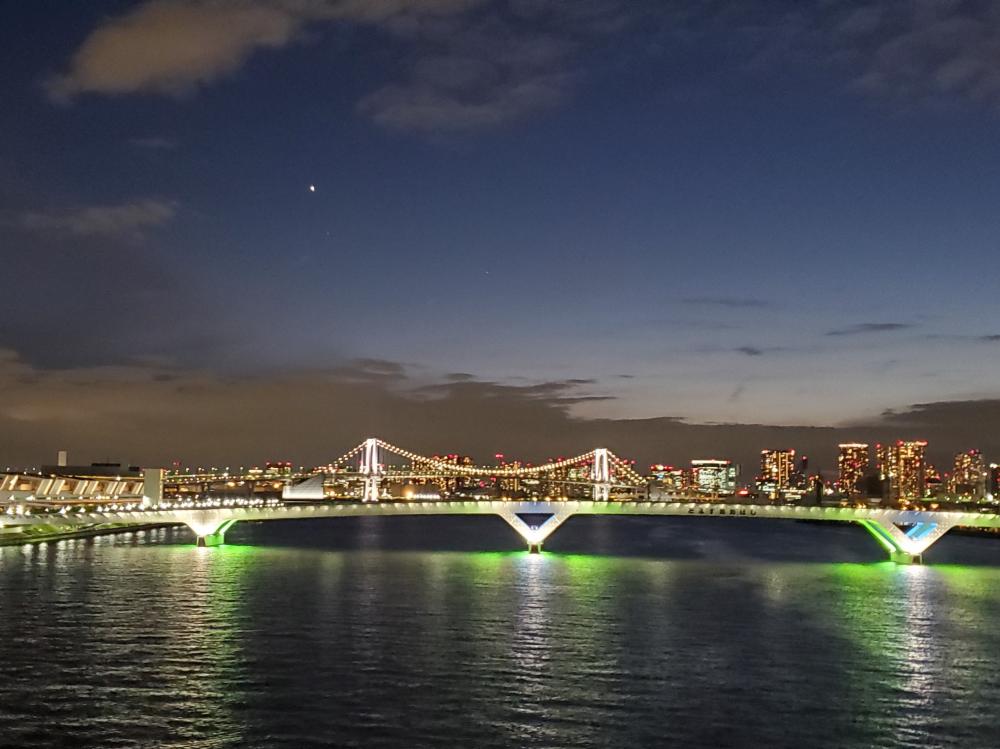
852	465
670	478
714	477
776	470
968	477
903	467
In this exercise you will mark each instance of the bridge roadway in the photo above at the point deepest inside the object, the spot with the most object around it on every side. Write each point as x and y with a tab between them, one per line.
904	534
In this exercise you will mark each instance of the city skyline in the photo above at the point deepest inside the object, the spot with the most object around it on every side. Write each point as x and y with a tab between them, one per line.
634	223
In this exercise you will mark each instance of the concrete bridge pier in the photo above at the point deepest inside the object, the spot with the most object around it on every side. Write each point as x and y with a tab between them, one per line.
209	529
534	536
211	539
906	546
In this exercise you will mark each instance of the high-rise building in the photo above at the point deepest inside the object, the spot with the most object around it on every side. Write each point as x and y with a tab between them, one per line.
934	486
776	470
993	487
852	465
715	477
902	468
968	477
670	478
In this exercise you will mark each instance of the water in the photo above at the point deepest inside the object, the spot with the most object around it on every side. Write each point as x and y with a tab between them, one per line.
400	632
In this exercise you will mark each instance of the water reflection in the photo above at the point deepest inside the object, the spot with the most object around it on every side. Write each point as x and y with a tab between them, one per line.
137	642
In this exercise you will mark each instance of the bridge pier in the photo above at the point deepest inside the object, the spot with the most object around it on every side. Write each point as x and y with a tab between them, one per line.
211	539
906	547
210	532
905	557
534	536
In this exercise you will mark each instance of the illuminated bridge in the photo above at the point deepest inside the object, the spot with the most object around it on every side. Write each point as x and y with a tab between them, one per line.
904	534
610	481
377	470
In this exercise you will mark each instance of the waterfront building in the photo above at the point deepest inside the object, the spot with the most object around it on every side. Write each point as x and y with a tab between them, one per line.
777	468
852	467
968	476
508	485
903	469
714	477
936	486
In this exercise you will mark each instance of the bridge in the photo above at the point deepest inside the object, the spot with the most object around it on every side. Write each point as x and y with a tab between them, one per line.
610	484
904	534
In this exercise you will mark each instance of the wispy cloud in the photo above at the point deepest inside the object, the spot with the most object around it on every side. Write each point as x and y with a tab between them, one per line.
474	64
919	50
174	46
870	327
123	220
758	350
466	64
493	67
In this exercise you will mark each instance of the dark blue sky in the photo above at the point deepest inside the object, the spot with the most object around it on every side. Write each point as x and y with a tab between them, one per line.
770	212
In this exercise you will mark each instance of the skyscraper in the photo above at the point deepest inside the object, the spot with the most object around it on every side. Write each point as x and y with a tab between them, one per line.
852	464
968	477
902	467
717	477
776	469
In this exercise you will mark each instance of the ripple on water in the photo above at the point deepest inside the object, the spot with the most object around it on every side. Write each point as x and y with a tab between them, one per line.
160	644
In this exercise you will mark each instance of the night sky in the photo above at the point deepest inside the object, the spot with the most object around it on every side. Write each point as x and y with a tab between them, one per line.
234	231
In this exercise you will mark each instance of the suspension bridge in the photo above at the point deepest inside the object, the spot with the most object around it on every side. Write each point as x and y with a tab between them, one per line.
357	484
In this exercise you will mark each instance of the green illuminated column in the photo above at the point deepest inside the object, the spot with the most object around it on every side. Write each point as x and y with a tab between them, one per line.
214	536
905	557
906	547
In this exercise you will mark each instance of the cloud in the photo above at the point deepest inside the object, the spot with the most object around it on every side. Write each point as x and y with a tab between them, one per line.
136	413
870	327
976	414
480	77
920	50
750	350
557	394
466	64
371	370
174	46
121	221
424	108
475	64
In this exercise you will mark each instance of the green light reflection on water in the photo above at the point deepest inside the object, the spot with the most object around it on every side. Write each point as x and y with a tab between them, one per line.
211	619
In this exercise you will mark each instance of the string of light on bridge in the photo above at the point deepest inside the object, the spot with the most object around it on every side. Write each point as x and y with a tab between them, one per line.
624	468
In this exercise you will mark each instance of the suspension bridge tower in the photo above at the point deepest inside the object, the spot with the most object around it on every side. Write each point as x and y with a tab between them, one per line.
371	469
601	475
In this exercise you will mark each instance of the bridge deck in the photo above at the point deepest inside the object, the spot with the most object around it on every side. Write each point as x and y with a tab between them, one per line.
904	533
